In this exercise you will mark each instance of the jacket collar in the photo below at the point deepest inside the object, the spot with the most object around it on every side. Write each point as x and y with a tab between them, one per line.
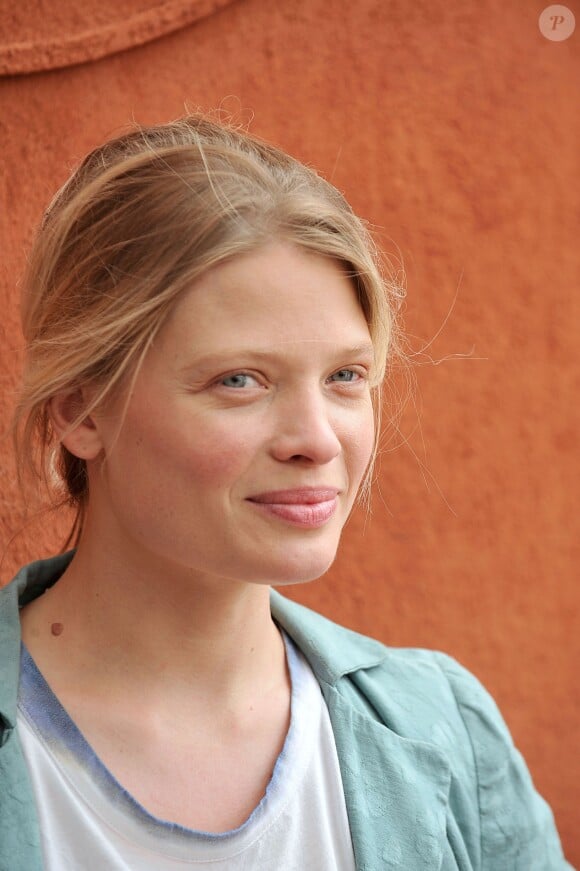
30	582
331	650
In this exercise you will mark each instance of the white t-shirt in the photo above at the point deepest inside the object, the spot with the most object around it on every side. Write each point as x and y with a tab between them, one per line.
88	821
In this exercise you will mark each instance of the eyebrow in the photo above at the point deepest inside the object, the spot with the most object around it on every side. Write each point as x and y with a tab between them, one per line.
206	361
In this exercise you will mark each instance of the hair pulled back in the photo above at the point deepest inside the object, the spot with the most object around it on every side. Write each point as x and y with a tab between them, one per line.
141	218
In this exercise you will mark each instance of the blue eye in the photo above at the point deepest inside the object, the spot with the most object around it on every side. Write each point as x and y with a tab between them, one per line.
237	380
345	376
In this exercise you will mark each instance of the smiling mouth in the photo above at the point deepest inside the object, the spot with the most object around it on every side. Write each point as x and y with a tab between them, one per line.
309	507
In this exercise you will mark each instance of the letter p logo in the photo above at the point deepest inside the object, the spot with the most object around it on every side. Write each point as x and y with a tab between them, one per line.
557	23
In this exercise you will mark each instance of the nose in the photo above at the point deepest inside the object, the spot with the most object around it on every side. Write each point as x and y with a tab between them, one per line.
305	431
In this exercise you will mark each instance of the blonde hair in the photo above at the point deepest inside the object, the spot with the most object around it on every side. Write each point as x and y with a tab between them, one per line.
141	218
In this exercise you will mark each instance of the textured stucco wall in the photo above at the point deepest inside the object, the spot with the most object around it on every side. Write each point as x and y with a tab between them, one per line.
454	128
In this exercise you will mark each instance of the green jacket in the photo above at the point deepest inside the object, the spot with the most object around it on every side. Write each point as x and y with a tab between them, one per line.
432	780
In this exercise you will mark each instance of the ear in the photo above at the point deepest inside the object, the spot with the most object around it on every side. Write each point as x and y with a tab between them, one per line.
82	438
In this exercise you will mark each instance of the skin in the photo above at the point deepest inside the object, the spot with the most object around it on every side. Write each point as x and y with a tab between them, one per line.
258	382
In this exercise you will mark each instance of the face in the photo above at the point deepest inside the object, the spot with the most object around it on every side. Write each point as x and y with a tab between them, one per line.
249	427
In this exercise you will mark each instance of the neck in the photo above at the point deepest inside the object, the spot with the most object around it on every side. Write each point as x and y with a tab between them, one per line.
130	620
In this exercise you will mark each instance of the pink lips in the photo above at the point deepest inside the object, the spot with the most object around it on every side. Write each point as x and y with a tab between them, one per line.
308	507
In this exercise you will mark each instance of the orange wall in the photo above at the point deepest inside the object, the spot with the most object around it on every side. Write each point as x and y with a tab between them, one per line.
453	127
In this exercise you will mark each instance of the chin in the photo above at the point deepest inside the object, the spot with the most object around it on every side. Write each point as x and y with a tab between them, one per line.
302	571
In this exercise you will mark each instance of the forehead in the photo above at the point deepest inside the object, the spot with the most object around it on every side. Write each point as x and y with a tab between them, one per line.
278	295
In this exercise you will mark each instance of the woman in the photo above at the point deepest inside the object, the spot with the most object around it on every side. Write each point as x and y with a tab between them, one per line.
207	329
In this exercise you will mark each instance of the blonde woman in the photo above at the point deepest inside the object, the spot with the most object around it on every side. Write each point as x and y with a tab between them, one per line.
207	331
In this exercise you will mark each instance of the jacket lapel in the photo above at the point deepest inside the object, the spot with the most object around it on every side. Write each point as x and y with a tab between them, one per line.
396	788
396	792
9	654
19	835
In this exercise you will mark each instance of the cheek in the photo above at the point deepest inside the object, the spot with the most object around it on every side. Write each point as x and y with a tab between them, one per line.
196	452
363	437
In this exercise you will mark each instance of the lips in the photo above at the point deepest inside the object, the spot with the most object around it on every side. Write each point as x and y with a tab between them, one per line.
309	507
300	496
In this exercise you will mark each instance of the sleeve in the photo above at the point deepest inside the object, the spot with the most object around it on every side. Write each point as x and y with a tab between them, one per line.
517	826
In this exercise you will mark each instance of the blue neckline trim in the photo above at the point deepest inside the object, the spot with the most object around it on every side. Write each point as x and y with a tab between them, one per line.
50	720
